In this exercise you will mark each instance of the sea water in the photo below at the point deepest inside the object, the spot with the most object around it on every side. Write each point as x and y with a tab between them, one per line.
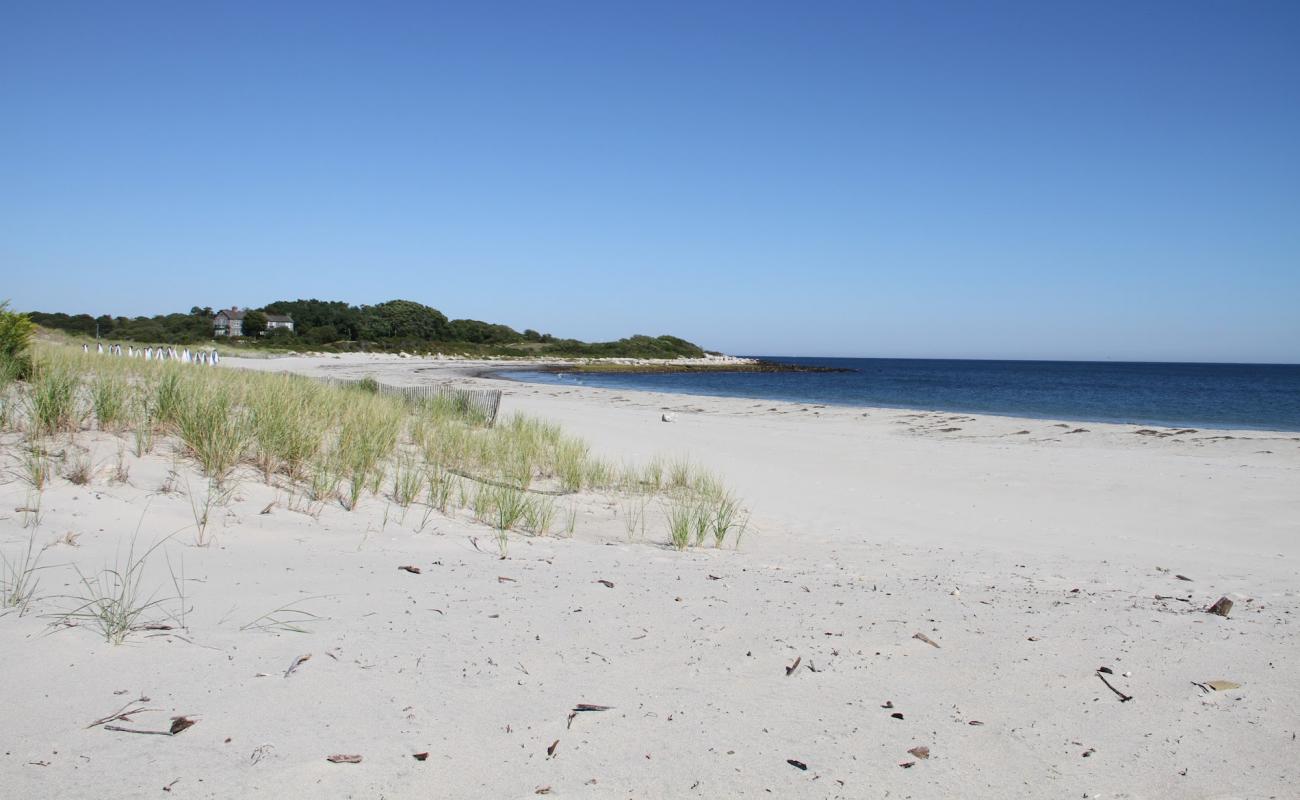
1258	396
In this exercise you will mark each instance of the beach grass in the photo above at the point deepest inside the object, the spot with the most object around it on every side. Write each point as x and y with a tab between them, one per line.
18	576
113	601
344	443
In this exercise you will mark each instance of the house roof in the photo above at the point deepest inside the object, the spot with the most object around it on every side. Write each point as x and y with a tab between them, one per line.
279	318
232	313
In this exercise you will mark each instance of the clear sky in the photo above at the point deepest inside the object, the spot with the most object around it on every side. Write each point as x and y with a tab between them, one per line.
974	179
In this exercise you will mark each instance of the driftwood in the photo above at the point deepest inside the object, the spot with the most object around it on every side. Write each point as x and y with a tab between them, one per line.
1123	698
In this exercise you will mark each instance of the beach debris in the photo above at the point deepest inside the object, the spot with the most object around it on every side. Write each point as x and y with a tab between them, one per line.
797	764
922	752
1123	698
1106	670
1087	753
260	752
605	583
974	722
504	579
411	568
268	508
581	707
123	714
1171	597
907	764
343	758
1183	578
668	418
550	751
421	756
1217	685
791	669
178	725
897	715
925	639
1222	607
297	662
887	704
542	790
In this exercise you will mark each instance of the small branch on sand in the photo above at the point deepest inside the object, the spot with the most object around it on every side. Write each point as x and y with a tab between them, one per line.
925	639
1123	698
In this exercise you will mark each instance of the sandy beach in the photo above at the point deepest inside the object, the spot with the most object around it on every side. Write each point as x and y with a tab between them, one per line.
909	580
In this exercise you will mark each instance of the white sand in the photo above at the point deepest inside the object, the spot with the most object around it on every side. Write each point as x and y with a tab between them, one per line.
1031	558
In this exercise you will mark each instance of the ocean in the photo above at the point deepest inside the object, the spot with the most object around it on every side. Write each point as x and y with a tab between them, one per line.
1255	396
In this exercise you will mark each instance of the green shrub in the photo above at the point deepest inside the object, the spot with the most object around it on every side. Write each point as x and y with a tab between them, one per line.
16	332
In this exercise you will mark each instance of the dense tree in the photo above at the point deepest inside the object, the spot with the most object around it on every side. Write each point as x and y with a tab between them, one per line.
472	330
403	320
396	324
320	334
254	323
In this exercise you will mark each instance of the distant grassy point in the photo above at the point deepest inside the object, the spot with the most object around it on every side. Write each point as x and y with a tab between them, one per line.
338	327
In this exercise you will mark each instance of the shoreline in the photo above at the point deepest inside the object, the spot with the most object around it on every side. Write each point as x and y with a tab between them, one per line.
502	374
488	373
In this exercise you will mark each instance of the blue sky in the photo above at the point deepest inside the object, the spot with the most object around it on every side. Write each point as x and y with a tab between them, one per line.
1022	180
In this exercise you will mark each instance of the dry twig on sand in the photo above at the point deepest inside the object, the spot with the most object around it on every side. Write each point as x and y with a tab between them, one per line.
1123	698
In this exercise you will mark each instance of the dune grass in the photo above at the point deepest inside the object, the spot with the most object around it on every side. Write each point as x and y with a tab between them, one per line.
113	601
18	578
348	443
53	399
110	400
35	465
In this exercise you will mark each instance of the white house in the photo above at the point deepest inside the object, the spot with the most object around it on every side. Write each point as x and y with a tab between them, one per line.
274	321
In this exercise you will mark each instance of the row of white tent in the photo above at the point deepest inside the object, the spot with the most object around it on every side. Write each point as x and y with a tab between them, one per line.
208	357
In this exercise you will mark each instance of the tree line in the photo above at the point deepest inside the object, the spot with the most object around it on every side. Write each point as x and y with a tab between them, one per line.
336	325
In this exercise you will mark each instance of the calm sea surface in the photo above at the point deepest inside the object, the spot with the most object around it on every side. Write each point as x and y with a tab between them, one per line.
1259	396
